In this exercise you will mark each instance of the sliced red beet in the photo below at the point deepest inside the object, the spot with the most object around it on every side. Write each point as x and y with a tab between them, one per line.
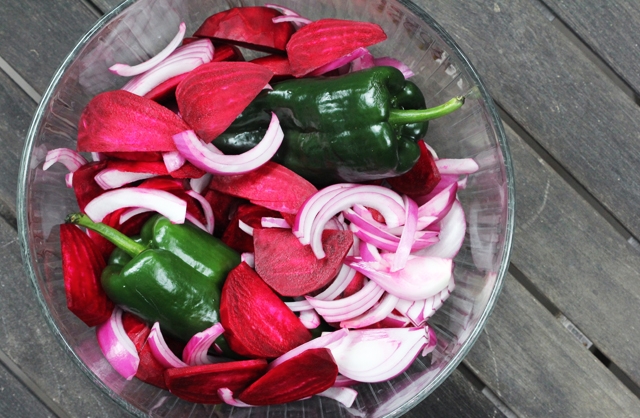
271	185
251	215
82	265
290	268
376	215
256	321
118	120
421	179
200	384
326	40
278	64
307	374
250	27
136	328
356	284
165	90
134	156
187	170
149	369
223	206
214	94
226	52
84	186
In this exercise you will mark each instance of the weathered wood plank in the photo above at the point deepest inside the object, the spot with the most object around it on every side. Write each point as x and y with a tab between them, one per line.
611	29
17	401
455	397
560	97
37	35
538	369
106	5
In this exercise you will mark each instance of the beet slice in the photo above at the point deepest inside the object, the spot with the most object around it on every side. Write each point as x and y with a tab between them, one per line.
307	374
118	120
134	156
257	322
421	179
165	90
250	27
82	265
272	185
187	171
290	268
200	384
251	215
226	52
149	369
278	64
214	94
356	284
223	207
326	40
84	186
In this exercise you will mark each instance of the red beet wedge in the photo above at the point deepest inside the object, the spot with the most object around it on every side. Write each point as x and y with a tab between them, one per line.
290	268
122	121
200	384
309	373
251	215
250	27
82	265
326	40
271	185
214	94
84	186
257	322
421	179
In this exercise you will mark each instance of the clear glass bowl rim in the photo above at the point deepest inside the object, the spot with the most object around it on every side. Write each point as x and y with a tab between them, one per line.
21	205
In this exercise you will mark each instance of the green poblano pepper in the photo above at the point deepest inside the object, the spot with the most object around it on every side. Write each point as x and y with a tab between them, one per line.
356	127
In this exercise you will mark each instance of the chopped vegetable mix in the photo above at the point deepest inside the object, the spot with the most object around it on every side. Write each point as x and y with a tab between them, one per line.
259	232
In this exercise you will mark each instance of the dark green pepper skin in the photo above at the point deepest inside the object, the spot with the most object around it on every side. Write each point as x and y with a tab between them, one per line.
159	287
336	129
200	250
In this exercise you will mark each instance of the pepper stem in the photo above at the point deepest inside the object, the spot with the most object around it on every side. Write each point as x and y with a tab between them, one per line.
401	117
119	239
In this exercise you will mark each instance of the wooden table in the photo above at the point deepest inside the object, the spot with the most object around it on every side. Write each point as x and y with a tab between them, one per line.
563	340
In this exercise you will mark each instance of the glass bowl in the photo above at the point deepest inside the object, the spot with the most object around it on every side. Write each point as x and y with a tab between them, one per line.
136	30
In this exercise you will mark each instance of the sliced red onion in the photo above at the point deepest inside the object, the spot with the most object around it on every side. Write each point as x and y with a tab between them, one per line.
130	213
375	355
431	345
227	397
182	60
349	307
201	156
161	350
128	70
97	156
299	305
173	160
71	159
343	381
299	21
282	9
363	62
244	227
248	258
395	320
323	340
431	150
116	345
196	222
357	53
200	184
407	238
343	278
310	319
111	178
438	206
270	222
309	209
453	228
369	252
68	179
386	201
345	395
206	209
364	213
457	166
376	314
438	301
195	352
421	278
425	239
165	203
392	62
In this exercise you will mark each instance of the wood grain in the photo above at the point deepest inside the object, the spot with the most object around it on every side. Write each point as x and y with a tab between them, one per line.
611	29
555	93
538	369
17	401
37	35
